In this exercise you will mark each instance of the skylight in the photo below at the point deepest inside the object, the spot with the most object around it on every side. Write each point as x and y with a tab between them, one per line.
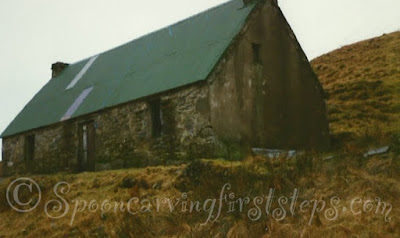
72	109
82	72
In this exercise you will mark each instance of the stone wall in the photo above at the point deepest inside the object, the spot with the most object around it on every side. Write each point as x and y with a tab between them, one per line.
124	133
266	90
55	150
123	136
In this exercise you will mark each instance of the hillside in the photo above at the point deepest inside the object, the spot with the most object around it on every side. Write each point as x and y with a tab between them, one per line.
346	177
362	82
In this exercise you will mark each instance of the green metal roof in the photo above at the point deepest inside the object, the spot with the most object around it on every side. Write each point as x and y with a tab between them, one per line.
175	56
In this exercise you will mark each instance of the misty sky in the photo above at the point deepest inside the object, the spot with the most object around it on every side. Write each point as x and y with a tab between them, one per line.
36	33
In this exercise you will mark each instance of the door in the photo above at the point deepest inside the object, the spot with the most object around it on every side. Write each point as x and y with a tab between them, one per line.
86	147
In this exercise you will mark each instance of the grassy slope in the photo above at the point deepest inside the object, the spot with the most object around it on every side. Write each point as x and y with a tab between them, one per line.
363	84
346	177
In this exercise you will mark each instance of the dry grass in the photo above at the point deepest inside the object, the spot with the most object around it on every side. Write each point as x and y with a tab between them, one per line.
345	176
362	82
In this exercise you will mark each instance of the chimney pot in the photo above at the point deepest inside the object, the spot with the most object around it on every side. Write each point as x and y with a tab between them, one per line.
246	2
58	68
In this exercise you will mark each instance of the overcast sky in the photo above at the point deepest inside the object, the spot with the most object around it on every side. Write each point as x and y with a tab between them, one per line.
36	33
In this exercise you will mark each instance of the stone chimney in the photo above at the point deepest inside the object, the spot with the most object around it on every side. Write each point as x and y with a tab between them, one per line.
58	68
247	2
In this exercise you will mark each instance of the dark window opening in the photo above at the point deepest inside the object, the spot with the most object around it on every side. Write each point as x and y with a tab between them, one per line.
29	148
84	144
156	117
256	53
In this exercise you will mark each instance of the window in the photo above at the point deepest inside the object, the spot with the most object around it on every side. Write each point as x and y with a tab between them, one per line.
156	117
256	53
29	148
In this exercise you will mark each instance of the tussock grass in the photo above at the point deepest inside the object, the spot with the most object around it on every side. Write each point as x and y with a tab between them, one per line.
346	176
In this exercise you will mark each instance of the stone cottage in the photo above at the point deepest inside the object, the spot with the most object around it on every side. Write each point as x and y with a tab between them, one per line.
230	78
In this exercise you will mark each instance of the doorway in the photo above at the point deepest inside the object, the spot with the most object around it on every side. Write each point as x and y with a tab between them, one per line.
86	147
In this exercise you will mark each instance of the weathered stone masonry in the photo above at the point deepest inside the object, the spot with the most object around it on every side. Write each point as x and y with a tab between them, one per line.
123	136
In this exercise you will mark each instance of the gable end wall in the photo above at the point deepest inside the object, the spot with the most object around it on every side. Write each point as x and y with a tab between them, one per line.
276	103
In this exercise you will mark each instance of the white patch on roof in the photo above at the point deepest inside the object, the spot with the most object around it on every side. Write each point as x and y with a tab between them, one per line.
82	72
76	104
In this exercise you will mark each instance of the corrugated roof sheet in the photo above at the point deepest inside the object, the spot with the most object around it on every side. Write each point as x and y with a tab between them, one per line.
175	56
